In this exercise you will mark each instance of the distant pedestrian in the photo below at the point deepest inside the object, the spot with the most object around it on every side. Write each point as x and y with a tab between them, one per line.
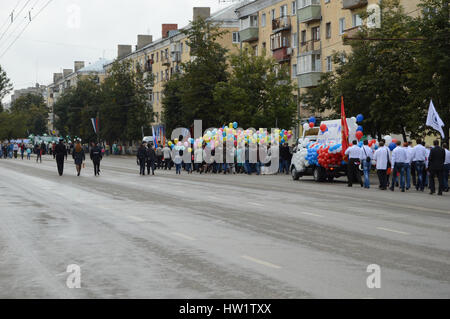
366	160
28	153
399	158
141	158
436	167
151	159
446	167
60	153
79	156
96	156
354	157
178	161
381	156
38	152
16	150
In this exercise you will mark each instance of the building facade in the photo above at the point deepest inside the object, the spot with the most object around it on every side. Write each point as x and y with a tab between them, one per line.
69	78
37	90
162	58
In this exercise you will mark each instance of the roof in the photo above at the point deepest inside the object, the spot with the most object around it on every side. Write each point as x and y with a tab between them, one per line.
97	66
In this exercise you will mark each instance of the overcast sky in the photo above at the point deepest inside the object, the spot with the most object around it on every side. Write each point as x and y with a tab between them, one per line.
59	35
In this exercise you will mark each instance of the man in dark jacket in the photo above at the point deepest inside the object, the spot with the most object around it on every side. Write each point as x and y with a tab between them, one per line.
60	152
151	159
436	166
96	157
141	158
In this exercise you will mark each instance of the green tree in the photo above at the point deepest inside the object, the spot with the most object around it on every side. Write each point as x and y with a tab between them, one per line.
208	66
377	78
433	57
173	115
259	93
5	86
31	108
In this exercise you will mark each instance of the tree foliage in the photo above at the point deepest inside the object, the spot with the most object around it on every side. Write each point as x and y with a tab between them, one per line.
5	86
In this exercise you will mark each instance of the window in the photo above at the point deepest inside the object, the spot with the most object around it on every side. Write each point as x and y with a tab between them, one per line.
294	8
341	25
157	56
167	53
187	47
272	14
157	96
181	47
329	64
162	76
303	36
294	40
328	30
315	33
306	3
255	48
236	37
263	20
283	11
294	70
264	46
357	20
309	63
327	1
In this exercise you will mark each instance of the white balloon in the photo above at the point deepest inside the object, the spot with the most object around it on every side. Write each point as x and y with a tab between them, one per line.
306	126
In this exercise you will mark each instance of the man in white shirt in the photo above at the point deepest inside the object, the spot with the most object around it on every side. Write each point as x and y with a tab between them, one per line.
419	158
354	157
381	156
167	157
399	158
413	167
446	167
409	157
366	160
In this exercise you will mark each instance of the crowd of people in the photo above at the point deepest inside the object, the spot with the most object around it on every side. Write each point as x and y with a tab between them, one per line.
232	160
416	166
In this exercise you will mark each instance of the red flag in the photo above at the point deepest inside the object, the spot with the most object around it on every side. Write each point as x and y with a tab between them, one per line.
344	127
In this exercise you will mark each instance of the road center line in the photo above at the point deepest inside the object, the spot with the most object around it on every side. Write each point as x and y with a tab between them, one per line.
311	214
393	231
256	204
261	262
184	236
137	218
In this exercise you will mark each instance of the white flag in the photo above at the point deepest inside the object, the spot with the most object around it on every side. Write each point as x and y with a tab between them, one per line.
434	120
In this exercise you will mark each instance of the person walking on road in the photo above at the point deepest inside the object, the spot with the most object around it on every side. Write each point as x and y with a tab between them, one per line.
141	158
419	158
354	156
399	158
381	156
96	157
28	152
446	167
436	167
151	159
366	160
79	156
15	149
38	151
60	152
166	157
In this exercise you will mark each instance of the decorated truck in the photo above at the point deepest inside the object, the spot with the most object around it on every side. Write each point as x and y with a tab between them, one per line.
320	154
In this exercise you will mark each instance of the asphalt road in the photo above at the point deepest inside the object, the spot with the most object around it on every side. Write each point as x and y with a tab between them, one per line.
214	236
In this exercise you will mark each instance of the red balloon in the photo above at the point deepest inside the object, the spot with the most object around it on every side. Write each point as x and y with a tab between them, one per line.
394	140
311	124
359	135
323	127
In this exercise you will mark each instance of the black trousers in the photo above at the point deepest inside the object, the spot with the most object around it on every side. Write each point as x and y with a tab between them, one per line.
60	164
382	177
142	167
150	165
440	175
96	167
413	173
353	171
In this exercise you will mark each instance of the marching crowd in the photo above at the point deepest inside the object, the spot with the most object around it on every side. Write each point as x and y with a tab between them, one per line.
419	164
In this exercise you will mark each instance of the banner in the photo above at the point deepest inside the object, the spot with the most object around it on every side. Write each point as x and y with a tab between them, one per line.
95	124
344	127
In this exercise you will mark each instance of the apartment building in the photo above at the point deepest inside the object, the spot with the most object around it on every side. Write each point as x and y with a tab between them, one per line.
37	90
69	78
163	57
322	25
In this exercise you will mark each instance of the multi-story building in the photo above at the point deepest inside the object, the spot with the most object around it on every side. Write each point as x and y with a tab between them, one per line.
69	78
162	58
37	90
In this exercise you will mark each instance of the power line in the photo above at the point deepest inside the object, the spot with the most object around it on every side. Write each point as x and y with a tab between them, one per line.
11	15
12	22
23	30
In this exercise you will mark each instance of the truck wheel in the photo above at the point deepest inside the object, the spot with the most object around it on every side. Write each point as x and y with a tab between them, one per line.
295	175
317	174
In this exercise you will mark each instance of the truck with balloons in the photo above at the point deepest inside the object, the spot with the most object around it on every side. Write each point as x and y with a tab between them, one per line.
321	155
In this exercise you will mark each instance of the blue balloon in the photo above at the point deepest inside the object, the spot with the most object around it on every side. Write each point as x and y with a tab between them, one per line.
360	144
235	125
312	119
360	128
359	118
392	146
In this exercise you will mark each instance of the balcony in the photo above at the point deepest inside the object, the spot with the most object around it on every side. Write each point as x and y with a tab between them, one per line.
309	46
282	54
309	11
309	70
280	24
248	30
165	60
353	4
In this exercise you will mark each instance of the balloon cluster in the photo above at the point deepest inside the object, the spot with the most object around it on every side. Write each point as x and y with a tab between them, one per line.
330	155
231	133
359	131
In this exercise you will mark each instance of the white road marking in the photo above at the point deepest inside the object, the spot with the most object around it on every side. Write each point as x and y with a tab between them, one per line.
256	204
184	236
261	262
311	214
137	218
393	231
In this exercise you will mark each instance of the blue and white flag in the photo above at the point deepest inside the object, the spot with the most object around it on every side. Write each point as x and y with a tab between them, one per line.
434	121
95	124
